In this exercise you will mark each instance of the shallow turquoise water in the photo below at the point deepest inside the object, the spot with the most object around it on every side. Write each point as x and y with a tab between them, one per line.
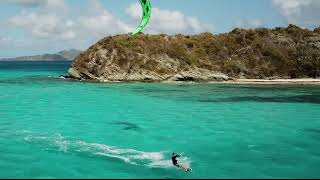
54	128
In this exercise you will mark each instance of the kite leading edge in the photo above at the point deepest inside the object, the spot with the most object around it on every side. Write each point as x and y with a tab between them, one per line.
146	8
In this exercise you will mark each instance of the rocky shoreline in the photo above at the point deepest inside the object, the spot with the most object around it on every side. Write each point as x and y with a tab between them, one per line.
199	75
219	80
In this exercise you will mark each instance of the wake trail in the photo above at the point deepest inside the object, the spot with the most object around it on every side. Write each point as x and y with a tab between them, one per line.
59	143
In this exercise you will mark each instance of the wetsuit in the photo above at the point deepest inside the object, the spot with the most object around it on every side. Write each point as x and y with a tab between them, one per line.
174	160
175	163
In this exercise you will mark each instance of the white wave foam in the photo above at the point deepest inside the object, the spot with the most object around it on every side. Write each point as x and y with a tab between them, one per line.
130	156
155	156
125	159
161	163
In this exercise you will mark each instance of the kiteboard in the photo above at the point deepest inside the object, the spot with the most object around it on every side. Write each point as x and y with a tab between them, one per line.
182	165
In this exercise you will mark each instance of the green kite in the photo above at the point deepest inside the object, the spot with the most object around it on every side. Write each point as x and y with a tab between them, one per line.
146	8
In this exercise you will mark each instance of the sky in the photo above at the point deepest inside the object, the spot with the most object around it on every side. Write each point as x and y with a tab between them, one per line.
30	27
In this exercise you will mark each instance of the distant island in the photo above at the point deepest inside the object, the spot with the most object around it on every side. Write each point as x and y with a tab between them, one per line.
268	54
65	55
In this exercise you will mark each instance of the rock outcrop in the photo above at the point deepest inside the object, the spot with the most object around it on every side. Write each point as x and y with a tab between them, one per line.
261	53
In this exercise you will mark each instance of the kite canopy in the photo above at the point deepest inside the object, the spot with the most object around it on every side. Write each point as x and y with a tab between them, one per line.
146	8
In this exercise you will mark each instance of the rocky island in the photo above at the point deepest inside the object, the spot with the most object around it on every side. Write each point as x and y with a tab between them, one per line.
266	54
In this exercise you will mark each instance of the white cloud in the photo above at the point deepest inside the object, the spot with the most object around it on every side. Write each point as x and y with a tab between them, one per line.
249	23
166	21
56	6
43	25
13	47
301	12
46	22
53	22
54	25
2	39
5	41
100	22
47	4
29	3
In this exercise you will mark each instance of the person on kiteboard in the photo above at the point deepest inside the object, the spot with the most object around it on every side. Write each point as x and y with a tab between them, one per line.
176	164
174	159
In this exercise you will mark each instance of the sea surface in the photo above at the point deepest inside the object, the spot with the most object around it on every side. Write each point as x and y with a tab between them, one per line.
57	128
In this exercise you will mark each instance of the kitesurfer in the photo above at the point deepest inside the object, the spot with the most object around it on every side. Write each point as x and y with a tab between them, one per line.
176	164
174	159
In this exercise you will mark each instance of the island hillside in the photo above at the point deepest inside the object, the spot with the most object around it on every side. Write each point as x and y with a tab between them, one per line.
287	53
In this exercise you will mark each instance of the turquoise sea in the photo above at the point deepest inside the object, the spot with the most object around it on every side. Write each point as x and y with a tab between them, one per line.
57	128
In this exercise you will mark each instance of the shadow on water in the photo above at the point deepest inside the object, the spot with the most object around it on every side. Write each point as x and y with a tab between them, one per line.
214	96
266	87
312	130
140	90
308	98
216	93
34	80
314	133
128	126
52	66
